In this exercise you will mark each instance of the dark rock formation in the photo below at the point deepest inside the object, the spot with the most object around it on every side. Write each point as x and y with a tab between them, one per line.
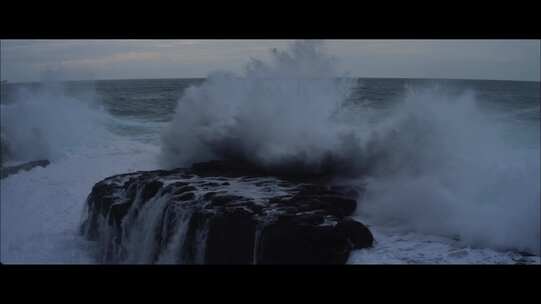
7	171
221	213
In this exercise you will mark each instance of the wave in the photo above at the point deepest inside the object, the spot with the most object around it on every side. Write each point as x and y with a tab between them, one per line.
453	170
277	116
47	123
434	162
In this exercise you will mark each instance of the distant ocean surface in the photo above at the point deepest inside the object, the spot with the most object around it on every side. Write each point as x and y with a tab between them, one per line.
41	208
153	101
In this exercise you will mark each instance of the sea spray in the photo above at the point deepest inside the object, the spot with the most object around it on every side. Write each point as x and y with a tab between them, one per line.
434	163
48	123
450	170
275	115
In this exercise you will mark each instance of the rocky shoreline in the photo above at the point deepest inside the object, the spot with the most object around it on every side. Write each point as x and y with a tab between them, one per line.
222	212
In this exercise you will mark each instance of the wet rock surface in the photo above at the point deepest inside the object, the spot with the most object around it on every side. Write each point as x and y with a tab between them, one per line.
221	213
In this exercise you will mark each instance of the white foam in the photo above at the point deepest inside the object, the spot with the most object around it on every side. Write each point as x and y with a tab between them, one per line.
397	247
47	123
272	114
451	170
42	208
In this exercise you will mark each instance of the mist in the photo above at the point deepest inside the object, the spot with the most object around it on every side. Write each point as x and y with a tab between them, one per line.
46	122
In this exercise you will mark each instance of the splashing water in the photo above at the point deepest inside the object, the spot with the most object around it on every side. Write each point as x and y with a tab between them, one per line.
433	162
47	123
278	114
450	170
41	208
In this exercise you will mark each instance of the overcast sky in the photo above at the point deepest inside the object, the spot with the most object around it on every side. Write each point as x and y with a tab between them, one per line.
29	60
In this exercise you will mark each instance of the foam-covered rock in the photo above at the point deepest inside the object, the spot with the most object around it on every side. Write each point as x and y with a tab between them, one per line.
215	213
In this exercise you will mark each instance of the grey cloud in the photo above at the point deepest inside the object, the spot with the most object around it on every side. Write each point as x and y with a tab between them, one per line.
24	60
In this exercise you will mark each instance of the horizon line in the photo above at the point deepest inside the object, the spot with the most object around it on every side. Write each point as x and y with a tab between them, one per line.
4	81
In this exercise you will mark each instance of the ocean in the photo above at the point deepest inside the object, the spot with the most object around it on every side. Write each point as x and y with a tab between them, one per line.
459	184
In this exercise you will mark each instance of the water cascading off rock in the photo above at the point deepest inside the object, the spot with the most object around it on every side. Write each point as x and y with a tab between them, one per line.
221	213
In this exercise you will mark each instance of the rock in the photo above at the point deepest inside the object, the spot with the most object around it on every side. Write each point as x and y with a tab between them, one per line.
186	217
150	189
222	200
358	234
231	239
209	195
7	171
186	196
290	242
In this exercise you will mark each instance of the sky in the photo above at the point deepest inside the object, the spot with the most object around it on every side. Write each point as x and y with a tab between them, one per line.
34	60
